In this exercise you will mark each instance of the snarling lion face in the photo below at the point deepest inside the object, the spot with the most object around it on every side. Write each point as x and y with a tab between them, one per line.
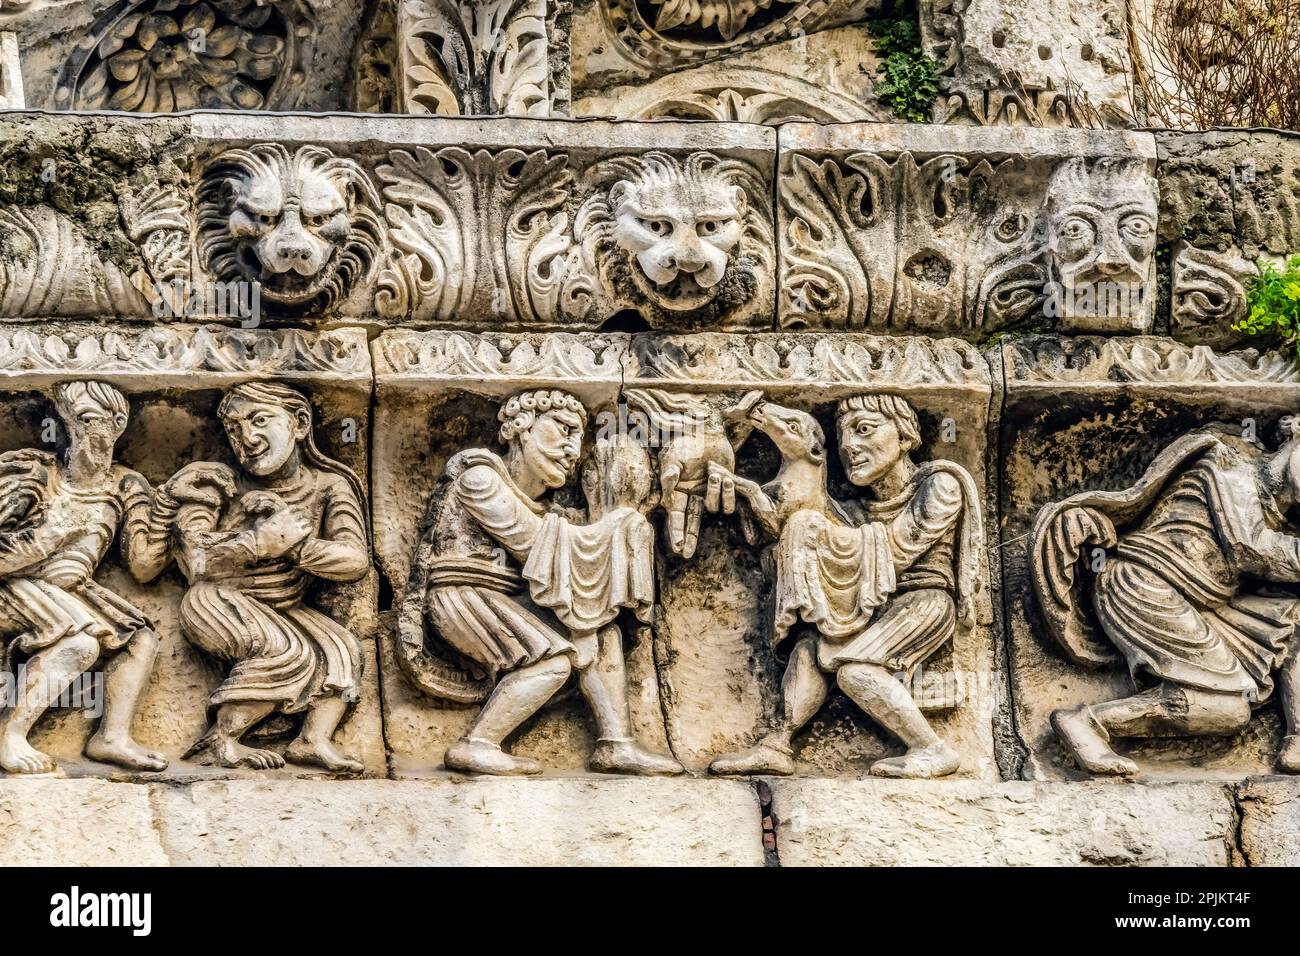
683	233
304	226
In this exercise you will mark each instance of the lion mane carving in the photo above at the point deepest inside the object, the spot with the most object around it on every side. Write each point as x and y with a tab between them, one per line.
678	235
304	225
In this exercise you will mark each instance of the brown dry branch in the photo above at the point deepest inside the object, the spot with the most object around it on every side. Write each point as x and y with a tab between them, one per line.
1206	63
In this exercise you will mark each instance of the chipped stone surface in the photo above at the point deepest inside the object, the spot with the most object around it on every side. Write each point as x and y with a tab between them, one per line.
872	823
1270	821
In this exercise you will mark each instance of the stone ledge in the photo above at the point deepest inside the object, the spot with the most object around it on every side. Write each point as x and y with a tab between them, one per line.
967	823
595	821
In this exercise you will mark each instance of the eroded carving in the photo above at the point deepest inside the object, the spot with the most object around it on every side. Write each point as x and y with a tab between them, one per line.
60	516
304	226
521	596
249	540
163	56
881	595
1171	577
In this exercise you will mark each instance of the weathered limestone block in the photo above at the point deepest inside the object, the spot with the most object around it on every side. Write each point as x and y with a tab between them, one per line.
823	77
1270	821
622	41
1227	199
47	822
925	230
966	823
12	96
478	223
1014	62
1091	415
135	450
487	822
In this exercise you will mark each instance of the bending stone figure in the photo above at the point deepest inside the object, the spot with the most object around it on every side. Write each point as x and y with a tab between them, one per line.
528	595
881	597
1181	595
58	518
249	542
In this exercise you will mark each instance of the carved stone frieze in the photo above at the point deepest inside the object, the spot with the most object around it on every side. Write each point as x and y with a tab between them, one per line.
971	235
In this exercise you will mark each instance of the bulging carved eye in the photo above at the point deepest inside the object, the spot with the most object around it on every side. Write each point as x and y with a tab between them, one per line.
1136	226
656	227
709	227
265	220
1076	228
1012	227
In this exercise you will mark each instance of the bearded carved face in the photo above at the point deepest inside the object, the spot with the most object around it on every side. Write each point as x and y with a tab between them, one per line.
303	226
684	233
1102	235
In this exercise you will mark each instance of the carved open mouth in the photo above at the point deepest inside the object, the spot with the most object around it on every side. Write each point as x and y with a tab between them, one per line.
680	294
289	288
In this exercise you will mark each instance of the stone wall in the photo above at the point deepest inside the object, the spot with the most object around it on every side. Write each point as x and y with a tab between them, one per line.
609	407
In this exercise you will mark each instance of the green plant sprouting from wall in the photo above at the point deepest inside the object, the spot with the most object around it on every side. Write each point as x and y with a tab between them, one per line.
1273	304
910	78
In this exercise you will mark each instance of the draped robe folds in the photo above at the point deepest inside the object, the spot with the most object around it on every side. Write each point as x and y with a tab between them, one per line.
582	574
248	611
48	591
1169	598
838	577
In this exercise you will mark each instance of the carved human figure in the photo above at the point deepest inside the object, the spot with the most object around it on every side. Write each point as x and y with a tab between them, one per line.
881	597
528	594
249	541
58	517
1101	239
1181	594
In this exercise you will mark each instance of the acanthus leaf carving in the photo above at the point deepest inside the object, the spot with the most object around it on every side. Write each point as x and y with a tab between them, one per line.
484	57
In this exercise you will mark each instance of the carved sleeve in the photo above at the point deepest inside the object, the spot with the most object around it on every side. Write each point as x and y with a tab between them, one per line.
340	553
147	517
931	514
498	510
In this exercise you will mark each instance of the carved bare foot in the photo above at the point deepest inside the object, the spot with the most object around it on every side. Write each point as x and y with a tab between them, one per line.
18	756
322	754
920	763
479	756
1288	758
763	758
1084	739
614	756
125	753
231	753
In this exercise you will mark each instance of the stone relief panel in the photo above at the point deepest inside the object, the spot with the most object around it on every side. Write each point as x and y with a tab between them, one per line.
1145	527
1022	63
650	591
186	551
1227	200
514	227
900	229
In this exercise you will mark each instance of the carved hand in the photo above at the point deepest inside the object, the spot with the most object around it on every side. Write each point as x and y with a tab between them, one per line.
207	483
278	528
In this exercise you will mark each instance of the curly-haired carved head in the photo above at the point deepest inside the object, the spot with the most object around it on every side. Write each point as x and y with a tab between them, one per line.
303	225
683	233
543	429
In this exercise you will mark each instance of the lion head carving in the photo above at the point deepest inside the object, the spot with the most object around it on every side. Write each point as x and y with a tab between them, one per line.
303	225
676	235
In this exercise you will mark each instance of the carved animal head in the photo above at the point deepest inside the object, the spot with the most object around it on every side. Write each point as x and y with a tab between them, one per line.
678	235
1101	225
796	434
304	225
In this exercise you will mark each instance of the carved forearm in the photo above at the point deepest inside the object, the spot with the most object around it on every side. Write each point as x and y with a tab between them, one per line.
334	560
146	536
